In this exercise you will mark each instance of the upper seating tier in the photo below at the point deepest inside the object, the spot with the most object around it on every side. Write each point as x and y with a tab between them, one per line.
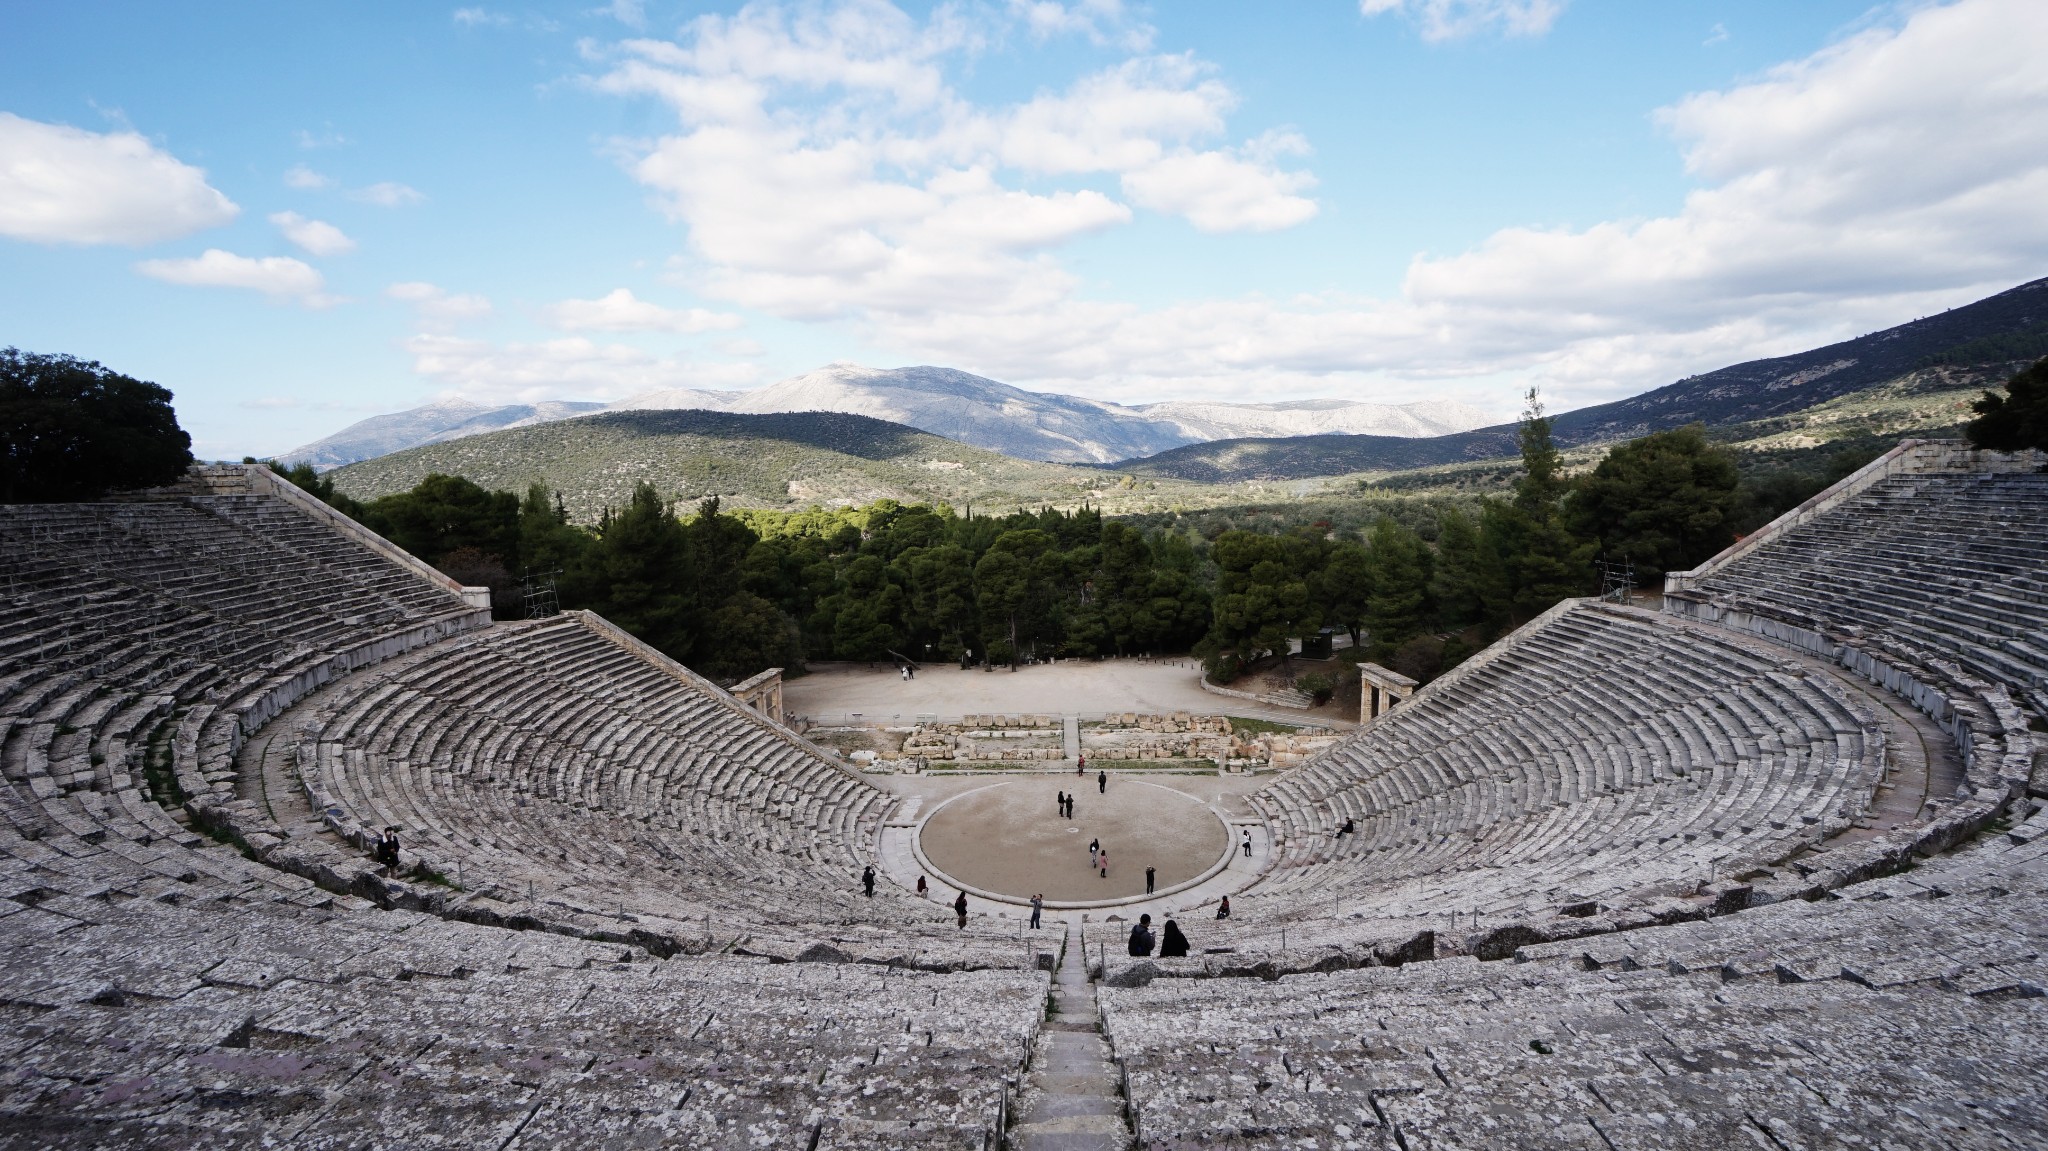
1603	755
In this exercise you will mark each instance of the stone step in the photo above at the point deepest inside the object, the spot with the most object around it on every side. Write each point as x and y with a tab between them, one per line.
1073	1100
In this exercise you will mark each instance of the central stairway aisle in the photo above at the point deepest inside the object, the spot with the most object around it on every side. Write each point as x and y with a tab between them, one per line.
1074	1100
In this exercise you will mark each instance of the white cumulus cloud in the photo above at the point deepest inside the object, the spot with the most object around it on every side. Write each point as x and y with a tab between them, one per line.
435	303
1101	22
1892	174
388	195
1451	19
551	369
65	185
279	276
825	165
316	236
621	311
305	179
1224	191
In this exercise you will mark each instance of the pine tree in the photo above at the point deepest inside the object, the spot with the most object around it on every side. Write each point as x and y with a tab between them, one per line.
1667	501
1397	567
1455	583
2019	418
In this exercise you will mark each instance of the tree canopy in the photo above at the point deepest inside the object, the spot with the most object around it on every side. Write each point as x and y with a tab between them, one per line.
2019	418
74	430
1667	501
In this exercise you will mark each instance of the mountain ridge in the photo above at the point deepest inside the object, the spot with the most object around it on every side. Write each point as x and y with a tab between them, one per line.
1740	393
772	460
1044	426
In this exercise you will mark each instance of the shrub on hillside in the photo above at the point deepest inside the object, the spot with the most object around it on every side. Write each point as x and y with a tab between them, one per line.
1420	659
1319	686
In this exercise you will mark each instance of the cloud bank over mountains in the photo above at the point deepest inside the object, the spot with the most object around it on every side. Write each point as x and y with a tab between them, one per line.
840	177
825	166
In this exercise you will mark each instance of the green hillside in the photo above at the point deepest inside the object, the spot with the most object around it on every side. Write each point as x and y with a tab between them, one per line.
1932	403
1979	344
786	460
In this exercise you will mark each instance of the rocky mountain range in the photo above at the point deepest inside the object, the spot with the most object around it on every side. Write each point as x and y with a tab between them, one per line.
958	405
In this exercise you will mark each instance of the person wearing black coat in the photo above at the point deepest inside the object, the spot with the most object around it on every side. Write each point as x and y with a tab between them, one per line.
1172	944
1141	936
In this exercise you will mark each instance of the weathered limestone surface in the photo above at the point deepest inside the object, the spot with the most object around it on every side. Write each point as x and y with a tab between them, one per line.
1901	1013
138	1023
1616	882
1606	756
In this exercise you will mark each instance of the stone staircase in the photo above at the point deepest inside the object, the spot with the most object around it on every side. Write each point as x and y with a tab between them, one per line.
1074	1099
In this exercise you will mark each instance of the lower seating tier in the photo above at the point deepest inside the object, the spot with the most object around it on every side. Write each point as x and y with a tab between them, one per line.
1901	1013
555	767
136	1023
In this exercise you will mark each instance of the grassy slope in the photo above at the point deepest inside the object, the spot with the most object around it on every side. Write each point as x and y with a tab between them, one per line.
1924	404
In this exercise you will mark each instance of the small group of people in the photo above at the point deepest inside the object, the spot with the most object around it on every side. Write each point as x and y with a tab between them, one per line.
907	672
1066	805
1098	857
1172	944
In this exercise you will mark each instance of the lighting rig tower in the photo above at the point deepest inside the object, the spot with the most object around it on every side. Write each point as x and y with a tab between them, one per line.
1617	580
538	590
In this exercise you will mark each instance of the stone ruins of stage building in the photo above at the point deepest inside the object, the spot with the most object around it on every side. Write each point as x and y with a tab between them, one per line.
1379	689
762	692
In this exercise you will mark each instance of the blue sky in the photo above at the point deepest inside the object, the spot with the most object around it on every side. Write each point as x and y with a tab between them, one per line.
298	215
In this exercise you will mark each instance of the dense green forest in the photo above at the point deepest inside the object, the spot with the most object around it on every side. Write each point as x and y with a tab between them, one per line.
1417	583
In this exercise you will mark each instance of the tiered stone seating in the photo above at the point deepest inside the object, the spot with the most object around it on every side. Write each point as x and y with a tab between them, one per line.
140	636
1646	818
132	1023
1945	565
558	767
178	970
1903	1013
1607	756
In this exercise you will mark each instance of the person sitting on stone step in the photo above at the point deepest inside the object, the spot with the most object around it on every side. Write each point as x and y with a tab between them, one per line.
1172	944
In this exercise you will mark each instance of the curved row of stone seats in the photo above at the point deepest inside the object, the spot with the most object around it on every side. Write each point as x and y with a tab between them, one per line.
1899	1013
563	768
1603	755
142	634
135	1024
1931	565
